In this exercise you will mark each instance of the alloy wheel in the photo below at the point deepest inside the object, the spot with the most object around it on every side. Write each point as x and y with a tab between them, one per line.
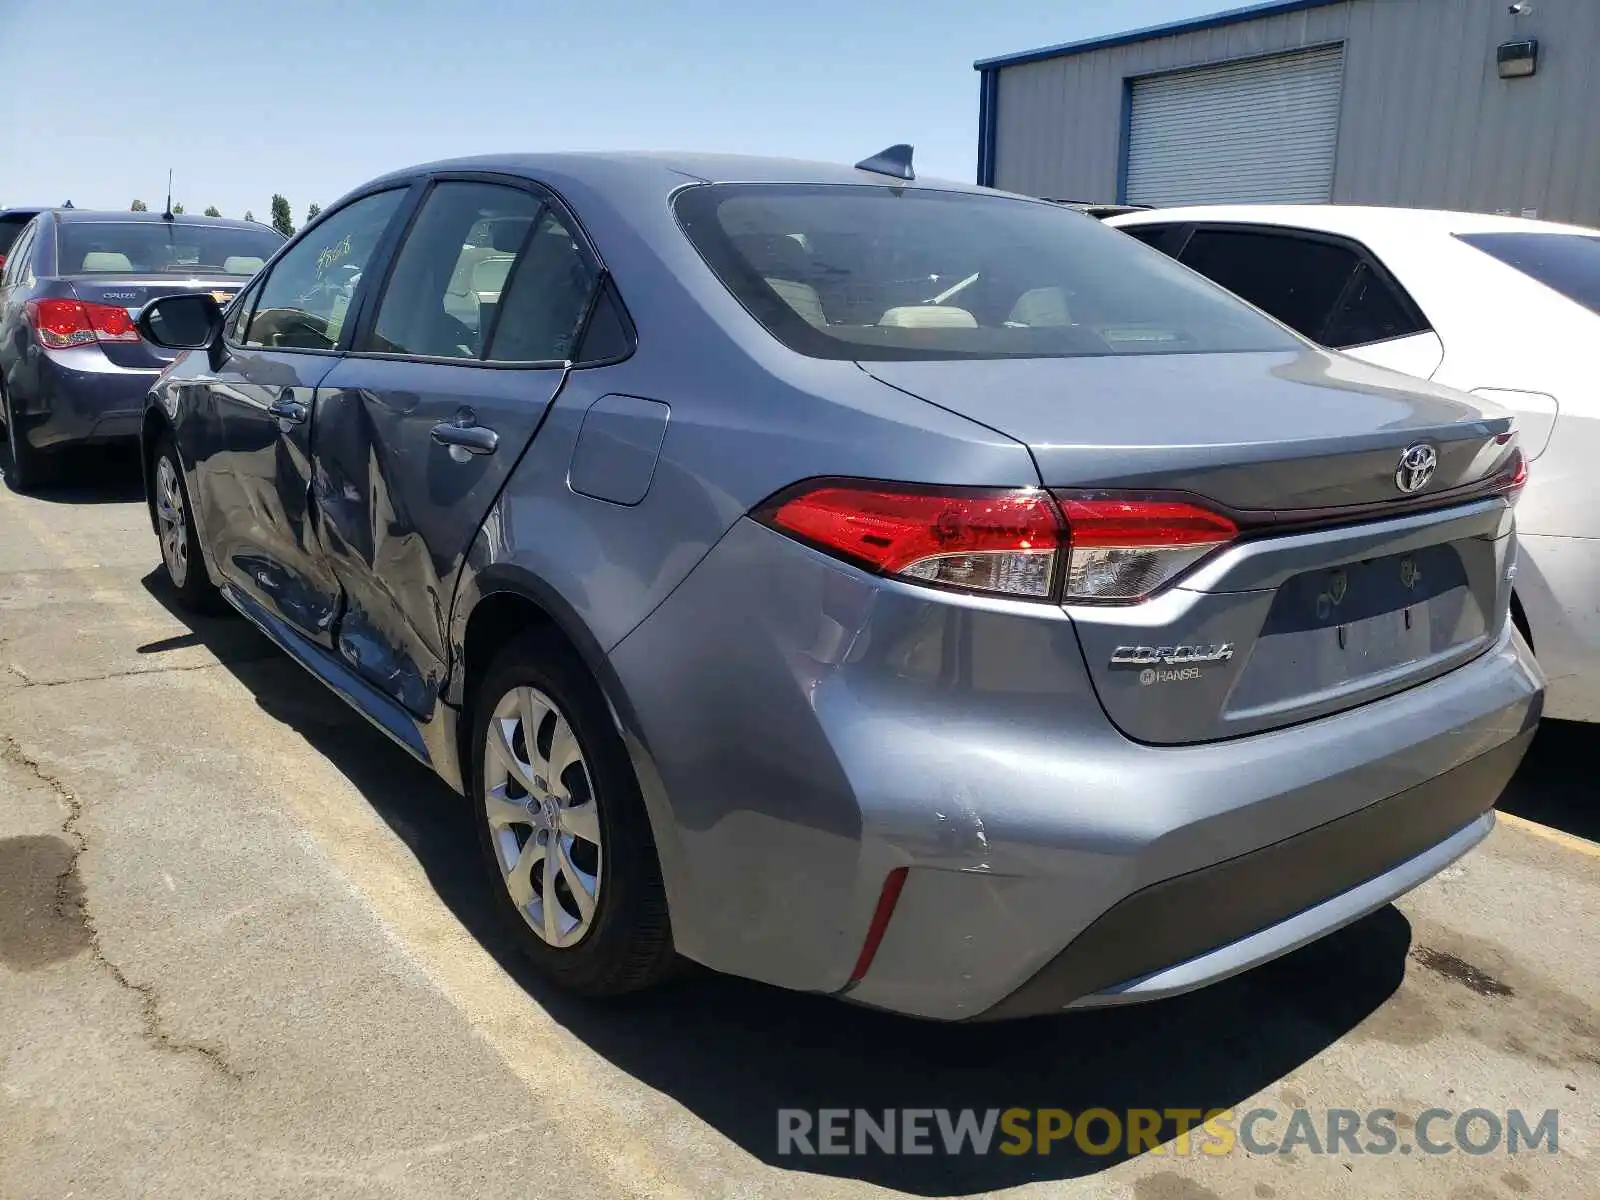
544	822
172	522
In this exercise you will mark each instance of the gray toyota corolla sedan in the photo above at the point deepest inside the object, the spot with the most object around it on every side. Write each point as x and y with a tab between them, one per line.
877	587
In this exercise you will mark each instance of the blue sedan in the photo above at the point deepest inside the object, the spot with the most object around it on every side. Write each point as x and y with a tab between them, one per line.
73	369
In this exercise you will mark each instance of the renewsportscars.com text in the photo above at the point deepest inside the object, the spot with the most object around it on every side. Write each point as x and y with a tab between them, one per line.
1174	1131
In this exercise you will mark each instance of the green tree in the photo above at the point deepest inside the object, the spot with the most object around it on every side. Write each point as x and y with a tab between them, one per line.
139	206
176	209
213	211
312	211
282	221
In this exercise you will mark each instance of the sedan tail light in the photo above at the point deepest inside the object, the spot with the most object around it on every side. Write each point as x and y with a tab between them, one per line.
1124	549
60	323
1019	542
1510	482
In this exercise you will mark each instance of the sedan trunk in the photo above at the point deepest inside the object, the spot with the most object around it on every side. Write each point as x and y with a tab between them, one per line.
1351	575
133	292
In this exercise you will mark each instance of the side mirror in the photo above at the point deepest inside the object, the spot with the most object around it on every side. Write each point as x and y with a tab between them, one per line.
192	321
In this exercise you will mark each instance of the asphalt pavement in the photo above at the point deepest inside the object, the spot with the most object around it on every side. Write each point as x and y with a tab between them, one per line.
245	952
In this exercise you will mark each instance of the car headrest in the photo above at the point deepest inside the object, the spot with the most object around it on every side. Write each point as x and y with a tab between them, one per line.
106	260
1041	307
929	316
242	264
802	298
506	236
489	274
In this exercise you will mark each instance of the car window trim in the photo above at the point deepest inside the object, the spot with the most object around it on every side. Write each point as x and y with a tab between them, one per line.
548	199
1364	257
384	245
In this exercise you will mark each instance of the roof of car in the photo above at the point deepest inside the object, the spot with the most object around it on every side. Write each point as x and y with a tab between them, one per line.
76	215
669	167
1353	219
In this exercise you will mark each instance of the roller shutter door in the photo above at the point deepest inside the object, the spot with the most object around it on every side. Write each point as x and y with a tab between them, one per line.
1259	130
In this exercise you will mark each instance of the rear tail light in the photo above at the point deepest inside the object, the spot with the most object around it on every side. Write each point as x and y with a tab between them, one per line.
1022	542
1514	477
1124	549
61	323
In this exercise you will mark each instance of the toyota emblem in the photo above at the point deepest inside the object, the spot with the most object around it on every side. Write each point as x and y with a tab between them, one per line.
1417	465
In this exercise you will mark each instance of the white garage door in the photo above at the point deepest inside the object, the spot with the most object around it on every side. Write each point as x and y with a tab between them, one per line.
1259	130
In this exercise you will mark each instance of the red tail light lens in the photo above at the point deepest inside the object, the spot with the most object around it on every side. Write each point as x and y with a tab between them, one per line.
1004	542
60	323
988	541
1514	478
1124	549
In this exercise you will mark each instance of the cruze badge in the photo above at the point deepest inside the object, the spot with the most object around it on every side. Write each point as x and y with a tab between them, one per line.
1171	656
1417	465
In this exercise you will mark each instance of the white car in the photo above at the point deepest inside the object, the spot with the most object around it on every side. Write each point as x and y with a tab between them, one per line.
1504	307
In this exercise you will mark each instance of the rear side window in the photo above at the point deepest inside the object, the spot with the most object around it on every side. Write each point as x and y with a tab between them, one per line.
1166	238
1371	311
1568	263
1297	280
487	272
545	298
448	277
11	227
16	267
860	271
162	247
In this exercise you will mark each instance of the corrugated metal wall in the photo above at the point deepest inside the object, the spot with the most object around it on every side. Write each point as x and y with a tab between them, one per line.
1424	118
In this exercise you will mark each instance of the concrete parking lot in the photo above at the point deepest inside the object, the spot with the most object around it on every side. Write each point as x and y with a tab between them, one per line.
244	951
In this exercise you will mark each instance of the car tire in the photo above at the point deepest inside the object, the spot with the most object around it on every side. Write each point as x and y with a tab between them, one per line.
616	936
182	561
30	468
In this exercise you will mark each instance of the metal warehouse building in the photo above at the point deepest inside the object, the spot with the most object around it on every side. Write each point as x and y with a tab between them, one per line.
1429	103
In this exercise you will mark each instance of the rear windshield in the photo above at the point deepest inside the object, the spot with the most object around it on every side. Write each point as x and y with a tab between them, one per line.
865	272
1567	262
171	247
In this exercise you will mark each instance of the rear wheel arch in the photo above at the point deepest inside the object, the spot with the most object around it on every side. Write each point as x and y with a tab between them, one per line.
508	605
511	601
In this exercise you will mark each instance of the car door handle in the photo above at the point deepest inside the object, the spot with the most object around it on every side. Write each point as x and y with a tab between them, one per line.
474	439
287	408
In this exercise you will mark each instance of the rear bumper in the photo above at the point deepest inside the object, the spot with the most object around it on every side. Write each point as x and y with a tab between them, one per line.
80	395
1201	927
800	730
1558	582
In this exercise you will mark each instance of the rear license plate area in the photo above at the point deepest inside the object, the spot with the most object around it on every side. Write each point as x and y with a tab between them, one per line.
1374	622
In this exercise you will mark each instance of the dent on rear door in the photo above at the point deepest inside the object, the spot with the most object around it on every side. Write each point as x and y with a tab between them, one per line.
398	511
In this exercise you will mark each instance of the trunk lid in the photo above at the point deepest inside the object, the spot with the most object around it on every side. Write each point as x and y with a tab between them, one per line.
1338	590
134	291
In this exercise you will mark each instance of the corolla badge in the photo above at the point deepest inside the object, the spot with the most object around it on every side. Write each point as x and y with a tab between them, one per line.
1172	656
1417	464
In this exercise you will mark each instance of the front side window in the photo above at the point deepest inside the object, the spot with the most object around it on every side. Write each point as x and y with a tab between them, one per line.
878	272
162	247
1298	280
306	298
1568	263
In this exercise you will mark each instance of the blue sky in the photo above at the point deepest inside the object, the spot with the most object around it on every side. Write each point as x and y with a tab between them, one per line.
311	98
